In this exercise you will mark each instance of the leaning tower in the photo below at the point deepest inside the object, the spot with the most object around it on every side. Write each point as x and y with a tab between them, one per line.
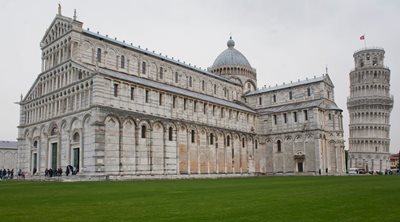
369	105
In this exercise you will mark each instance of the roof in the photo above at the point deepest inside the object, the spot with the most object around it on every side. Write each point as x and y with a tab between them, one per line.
8	144
326	104
231	57
173	89
159	56
292	84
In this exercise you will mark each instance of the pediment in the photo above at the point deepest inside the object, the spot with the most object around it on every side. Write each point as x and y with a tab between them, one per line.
38	90
58	28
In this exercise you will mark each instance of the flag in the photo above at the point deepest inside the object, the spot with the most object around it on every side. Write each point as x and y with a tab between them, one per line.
362	37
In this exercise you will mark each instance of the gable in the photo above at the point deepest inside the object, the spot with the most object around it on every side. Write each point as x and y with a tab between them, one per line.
55	76
59	27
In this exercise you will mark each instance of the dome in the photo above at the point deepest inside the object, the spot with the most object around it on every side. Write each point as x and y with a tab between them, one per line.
231	57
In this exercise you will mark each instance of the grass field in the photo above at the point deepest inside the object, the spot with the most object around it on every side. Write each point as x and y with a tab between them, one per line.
356	198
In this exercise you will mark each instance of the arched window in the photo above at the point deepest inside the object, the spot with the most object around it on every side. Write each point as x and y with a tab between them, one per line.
98	55
35	144
170	131
75	138
278	143
193	136
228	140
122	62
143	67
211	139
161	72
143	131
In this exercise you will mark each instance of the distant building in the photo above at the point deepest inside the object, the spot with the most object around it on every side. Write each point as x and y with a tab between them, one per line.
109	108
394	161
8	155
369	105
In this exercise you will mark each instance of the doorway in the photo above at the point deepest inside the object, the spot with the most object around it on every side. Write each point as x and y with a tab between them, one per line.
54	156
300	167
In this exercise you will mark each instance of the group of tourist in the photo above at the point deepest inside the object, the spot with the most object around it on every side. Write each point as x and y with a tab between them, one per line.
58	172
6	174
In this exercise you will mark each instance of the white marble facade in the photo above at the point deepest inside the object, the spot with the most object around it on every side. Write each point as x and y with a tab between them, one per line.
109	108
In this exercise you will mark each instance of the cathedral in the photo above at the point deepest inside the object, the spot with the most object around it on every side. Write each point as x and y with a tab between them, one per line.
111	109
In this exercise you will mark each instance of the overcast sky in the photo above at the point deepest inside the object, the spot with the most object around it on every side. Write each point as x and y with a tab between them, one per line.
284	40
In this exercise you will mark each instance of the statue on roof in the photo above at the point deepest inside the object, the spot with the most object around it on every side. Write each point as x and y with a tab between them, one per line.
59	8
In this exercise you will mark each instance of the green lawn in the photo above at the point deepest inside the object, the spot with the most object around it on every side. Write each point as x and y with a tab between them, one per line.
356	198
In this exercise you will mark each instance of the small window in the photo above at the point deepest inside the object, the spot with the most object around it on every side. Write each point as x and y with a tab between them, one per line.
278	143
274	98
193	136
275	120
222	112
284	118
143	67
122	62
305	115
295	117
330	116
259	101
98	55
190	81
213	111
132	93
161	72
308	91
146	97
215	89
329	95
174	102
170	131
143	131
184	103
243	143
203	85
195	106
230	114
35	144
256	144
176	77
205	108
160	100
115	90
211	139
228	140
290	95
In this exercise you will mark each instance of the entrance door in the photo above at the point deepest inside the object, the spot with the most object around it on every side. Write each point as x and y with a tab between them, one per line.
54	156
76	158
34	162
300	167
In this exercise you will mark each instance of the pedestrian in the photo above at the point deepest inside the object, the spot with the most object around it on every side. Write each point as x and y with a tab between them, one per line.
319	171
46	172
67	171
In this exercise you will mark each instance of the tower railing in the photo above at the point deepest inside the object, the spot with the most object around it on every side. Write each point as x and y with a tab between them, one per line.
369	48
